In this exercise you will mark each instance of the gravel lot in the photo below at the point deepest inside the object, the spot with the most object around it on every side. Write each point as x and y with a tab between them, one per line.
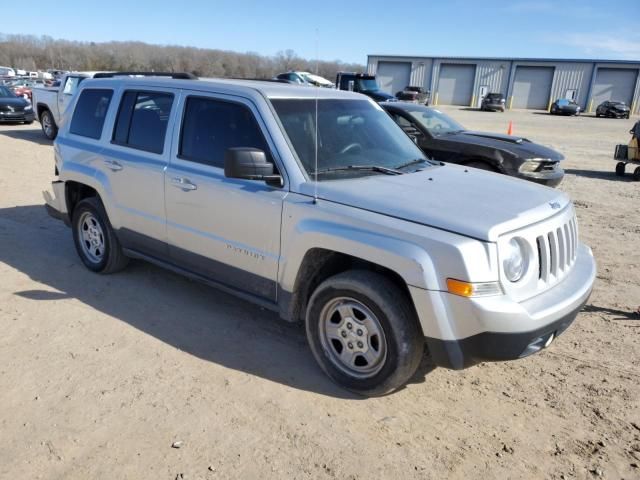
100	375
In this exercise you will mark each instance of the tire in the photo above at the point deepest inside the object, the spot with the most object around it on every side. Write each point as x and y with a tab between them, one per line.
48	124
636	174
383	324
480	165
620	166
98	248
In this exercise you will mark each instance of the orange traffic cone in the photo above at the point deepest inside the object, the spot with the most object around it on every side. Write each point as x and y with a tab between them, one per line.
510	129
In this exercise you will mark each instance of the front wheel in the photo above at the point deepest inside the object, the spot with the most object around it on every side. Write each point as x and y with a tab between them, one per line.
48	125
363	332
620	166
95	240
636	174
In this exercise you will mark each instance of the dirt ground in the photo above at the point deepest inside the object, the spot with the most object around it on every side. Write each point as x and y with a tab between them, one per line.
100	375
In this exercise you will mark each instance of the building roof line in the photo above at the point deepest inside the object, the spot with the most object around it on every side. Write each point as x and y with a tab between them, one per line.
507	59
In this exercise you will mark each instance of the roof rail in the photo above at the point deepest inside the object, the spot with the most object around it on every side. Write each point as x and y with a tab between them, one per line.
174	75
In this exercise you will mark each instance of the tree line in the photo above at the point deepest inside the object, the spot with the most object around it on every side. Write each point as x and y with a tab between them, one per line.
29	52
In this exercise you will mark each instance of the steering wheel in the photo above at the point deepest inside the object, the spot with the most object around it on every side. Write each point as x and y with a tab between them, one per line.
351	146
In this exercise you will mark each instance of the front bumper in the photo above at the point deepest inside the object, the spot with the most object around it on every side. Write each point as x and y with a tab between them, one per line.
13	117
493	106
549	178
461	332
55	203
618	114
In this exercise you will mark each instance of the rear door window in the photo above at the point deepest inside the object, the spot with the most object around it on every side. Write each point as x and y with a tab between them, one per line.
210	127
142	120
90	112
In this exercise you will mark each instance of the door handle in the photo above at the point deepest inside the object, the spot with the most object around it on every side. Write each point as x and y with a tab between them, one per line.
183	184
113	165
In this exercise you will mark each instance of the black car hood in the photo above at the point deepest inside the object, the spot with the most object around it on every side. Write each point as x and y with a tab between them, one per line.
13	102
518	146
622	108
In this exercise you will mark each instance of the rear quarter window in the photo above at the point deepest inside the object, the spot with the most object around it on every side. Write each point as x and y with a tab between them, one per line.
90	112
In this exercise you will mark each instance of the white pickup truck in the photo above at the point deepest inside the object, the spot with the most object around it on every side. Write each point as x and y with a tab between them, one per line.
49	104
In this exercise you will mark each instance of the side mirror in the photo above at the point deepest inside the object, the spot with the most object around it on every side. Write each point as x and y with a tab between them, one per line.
249	164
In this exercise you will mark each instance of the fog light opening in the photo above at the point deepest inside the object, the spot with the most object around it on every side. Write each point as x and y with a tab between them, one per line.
549	340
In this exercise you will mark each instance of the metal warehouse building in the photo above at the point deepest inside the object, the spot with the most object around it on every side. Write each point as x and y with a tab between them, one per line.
526	82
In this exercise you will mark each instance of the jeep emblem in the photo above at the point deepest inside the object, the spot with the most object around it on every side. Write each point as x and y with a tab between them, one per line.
554	205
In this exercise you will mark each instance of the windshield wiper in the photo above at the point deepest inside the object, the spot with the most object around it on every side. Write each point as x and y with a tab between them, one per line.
373	168
413	162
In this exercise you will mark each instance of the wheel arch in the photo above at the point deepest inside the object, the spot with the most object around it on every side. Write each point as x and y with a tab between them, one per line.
82	184
317	265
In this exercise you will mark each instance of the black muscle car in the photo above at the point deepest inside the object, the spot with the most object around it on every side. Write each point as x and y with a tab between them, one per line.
442	138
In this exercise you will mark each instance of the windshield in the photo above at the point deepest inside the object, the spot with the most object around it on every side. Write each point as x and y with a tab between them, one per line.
366	85
350	133
5	92
436	122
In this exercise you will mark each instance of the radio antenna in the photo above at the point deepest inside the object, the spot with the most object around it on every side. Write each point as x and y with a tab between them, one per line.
315	182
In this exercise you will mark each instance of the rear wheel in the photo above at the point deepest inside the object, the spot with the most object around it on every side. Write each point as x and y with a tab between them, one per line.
48	125
363	332
636	174
620	166
95	240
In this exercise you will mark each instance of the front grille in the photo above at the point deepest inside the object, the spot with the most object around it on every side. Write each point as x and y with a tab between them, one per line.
6	108
557	251
553	248
547	166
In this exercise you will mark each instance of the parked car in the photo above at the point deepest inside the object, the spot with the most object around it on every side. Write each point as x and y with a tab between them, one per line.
493	102
414	94
377	249
305	78
7	72
13	108
362	83
24	87
442	138
613	110
564	106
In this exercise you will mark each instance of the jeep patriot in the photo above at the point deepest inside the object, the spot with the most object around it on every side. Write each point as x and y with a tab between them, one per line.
315	204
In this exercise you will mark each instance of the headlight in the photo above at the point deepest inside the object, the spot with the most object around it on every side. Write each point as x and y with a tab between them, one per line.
531	165
515	260
27	108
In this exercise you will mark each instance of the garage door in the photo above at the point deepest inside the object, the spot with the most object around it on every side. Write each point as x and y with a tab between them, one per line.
393	76
615	84
455	84
532	87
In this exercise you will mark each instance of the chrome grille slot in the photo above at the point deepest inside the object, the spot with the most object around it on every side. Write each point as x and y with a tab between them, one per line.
553	253
562	249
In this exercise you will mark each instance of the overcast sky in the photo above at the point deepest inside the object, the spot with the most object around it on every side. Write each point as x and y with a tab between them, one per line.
348	30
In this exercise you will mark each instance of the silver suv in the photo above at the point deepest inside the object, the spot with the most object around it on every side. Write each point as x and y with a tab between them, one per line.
315	204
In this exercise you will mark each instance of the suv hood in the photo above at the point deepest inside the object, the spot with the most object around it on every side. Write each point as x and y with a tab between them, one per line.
517	146
471	202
